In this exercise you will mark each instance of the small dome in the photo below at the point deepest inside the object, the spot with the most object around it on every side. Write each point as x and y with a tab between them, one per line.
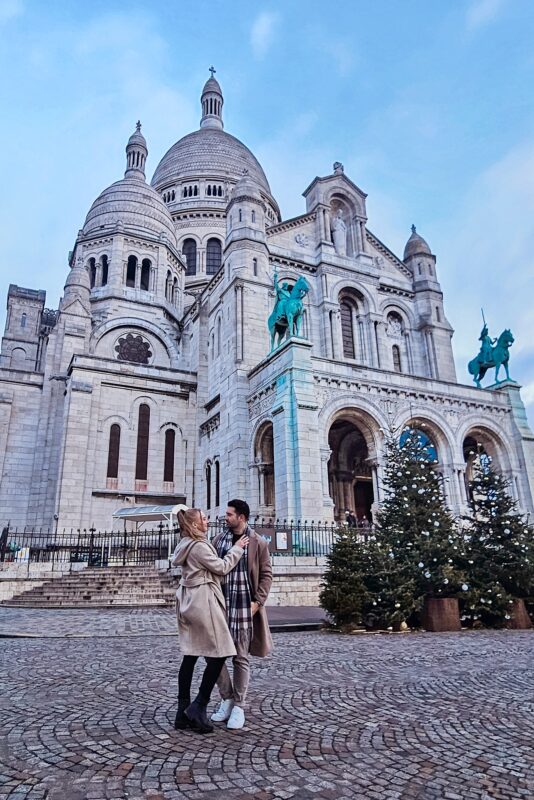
212	85
416	245
246	187
134	203
78	278
137	138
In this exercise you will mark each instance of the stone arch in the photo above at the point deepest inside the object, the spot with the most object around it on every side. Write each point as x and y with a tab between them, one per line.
354	435
434	426
164	341
347	285
18	358
492	437
264	462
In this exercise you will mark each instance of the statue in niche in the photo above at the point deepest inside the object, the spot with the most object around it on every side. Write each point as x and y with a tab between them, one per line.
394	325
339	233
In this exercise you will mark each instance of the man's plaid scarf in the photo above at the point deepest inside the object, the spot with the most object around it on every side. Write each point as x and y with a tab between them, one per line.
236	588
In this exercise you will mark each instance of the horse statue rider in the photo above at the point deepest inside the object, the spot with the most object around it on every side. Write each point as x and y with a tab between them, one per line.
493	353
287	314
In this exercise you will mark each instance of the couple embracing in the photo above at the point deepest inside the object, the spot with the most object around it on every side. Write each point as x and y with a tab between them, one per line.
220	608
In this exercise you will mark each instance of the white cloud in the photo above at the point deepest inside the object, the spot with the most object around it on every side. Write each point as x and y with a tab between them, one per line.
9	9
262	33
482	12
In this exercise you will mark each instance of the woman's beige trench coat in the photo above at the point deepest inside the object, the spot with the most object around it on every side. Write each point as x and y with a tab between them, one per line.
200	605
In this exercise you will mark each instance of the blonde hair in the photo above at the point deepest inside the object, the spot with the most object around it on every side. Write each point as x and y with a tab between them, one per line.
188	522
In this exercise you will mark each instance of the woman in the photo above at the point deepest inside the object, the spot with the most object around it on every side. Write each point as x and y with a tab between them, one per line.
201	613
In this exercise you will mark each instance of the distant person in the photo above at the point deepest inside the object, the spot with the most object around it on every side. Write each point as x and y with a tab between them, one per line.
246	588
201	612
350	519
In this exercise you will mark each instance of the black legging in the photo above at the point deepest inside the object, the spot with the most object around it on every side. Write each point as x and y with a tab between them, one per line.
209	678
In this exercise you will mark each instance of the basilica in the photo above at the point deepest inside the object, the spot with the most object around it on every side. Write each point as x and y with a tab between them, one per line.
156	382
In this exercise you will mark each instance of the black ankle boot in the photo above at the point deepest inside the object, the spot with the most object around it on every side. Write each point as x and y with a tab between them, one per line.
181	722
196	714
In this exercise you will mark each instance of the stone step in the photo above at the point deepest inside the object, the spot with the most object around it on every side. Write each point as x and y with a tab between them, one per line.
101	587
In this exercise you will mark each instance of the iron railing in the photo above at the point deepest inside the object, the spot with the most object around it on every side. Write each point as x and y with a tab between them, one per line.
123	548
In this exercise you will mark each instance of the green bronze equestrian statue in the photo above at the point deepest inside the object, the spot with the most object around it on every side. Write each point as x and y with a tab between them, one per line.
491	355
287	314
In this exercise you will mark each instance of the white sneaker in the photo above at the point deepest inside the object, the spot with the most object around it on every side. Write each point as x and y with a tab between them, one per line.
223	711
237	719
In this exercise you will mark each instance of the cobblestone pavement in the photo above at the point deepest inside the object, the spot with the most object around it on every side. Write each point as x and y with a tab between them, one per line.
137	621
427	716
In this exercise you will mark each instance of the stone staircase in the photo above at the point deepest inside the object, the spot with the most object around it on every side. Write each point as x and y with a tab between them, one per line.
101	588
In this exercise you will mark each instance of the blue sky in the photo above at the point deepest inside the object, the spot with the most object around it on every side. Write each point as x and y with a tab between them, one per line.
429	105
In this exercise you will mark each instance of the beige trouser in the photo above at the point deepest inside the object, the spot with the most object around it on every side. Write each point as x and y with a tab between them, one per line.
236	690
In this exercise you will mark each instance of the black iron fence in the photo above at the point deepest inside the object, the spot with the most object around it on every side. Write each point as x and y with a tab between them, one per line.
124	548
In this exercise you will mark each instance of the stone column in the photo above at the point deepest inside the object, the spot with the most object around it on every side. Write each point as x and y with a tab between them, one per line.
239	322
365	247
337	342
326	453
328	232
327	333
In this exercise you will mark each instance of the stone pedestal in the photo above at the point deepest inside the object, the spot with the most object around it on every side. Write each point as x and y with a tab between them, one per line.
297	468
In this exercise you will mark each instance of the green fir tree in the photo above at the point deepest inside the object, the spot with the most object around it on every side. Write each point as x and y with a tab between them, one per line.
500	549
416	532
344	594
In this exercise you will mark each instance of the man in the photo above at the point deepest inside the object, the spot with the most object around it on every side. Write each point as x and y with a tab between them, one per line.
246	589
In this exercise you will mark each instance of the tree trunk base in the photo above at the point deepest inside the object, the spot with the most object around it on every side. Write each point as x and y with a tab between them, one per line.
520	619
441	614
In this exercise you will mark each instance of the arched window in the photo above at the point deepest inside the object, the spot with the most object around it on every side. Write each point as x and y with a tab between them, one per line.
255	267
195	191
219	191
396	358
209	190
92	272
168	464
145	274
213	256
175	291
189	249
347	330
253	216
217	483
143	432
131	269
23	321
184	193
113	451
208	486
105	270
168	286
240	215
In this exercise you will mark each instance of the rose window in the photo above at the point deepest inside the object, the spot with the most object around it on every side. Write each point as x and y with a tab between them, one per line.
133	347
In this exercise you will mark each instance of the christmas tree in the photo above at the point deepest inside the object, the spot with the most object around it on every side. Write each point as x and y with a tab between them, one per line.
416	531
344	593
500	549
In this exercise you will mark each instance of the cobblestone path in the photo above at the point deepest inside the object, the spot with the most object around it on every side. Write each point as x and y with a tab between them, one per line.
429	716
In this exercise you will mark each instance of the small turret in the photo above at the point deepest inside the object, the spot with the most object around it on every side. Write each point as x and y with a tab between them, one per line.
136	153
212	102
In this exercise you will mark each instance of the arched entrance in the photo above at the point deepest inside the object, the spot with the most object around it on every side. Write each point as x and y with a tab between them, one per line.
350	473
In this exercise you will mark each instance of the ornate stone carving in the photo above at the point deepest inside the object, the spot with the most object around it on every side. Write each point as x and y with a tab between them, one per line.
302	239
133	347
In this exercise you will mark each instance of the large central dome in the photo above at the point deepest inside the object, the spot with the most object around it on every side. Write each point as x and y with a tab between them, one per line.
211	153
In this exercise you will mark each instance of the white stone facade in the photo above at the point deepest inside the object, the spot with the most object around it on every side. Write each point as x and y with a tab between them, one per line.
153	382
